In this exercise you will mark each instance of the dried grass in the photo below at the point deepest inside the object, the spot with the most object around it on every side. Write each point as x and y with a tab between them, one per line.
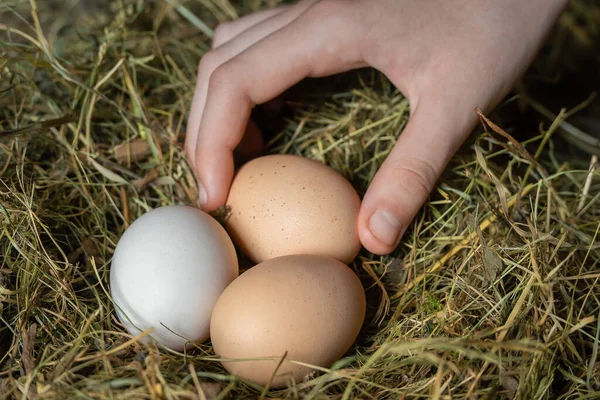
492	293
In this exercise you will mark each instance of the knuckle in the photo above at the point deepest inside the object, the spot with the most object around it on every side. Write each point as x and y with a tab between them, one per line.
222	76
222	34
331	18
209	62
417	177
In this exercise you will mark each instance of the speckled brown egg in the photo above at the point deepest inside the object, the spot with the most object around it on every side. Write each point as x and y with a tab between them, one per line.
308	308
286	204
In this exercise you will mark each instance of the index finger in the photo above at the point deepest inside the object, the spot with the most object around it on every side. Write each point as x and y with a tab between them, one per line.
304	48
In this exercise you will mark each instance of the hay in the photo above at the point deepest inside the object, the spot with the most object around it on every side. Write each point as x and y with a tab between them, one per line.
492	293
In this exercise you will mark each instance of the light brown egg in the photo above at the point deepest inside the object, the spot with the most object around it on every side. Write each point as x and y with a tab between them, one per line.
310	307
285	204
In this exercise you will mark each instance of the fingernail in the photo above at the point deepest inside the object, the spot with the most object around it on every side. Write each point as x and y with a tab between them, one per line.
202	196
386	227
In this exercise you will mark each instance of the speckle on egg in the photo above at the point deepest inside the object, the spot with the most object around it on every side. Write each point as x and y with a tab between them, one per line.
255	318
308	195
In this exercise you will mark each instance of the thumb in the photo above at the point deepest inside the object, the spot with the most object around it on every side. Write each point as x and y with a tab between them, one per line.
407	176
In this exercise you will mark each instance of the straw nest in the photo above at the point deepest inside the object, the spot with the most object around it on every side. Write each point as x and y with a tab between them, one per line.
491	294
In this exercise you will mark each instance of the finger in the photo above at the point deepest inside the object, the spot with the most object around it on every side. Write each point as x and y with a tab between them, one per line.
223	53
304	48
252	141
228	30
406	178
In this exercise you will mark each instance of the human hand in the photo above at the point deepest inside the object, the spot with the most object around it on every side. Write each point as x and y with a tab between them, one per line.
447	57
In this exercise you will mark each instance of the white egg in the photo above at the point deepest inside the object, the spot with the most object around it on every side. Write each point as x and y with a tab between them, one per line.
169	268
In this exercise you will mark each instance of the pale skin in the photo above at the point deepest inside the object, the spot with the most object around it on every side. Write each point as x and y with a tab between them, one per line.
446	57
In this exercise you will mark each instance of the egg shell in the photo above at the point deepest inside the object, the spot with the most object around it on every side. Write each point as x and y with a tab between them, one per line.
311	307
169	268
286	204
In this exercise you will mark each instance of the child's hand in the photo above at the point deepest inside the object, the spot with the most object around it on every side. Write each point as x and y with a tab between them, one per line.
447	57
